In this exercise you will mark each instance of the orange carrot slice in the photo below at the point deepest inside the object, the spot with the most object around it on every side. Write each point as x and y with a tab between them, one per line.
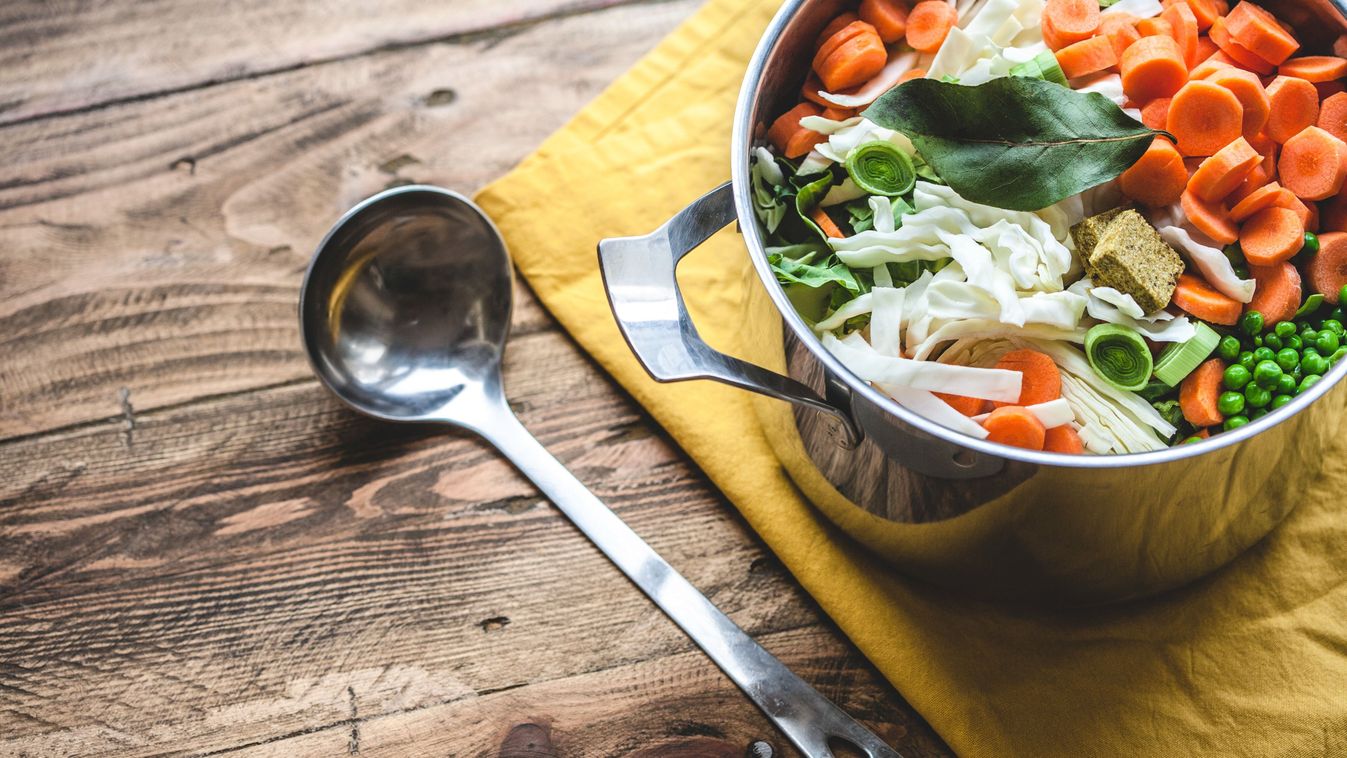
1211	65
836	25
916	73
1121	30
1063	439
968	406
1243	56
1262	198
1206	12
1256	180
1224	171
1042	379
1158	178
1153	67
1271	236
1206	48
888	17
1290	202
1196	297
854	62
1016	427
1209	218
834	113
836	40
1054	39
929	23
1313	164
1205	117
826	224
1074	20
1294	106
1087	57
801	142
1155	114
1183	28
1248	89
1259	31
1328	269
1200	394
1156	27
1315	68
1277	291
1333	115
788	123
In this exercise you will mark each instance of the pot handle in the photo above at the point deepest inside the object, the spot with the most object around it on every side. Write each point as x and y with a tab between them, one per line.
638	276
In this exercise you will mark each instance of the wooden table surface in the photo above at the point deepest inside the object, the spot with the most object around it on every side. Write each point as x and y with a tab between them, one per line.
200	551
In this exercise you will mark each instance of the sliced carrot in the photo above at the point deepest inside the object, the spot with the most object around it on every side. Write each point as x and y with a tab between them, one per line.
801	142
1200	394
854	62
788	123
1205	117
1156	27
1206	48
1073	20
1333	115
1196	297
916	73
1259	31
1206	12
1290	202
1224	171
1248	89
1328	269
1155	114
1183	28
1121	30
1211	219
1054	39
1269	150
1042	379
1271	236
1211	65
833	42
826	224
1262	198
1153	67
1241	55
1256	180
1295	105
1276	293
929	23
836	25
1158	178
968	406
834	113
1333	213
1087	57
1063	439
1313	164
1016	427
812	89
1315	68
888	17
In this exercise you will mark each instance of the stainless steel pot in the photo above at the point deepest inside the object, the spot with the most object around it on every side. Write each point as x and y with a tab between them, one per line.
957	511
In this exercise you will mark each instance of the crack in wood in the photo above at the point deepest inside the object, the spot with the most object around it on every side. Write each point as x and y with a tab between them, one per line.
353	747
128	415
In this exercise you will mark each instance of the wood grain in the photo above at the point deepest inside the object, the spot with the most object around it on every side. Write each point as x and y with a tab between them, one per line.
200	552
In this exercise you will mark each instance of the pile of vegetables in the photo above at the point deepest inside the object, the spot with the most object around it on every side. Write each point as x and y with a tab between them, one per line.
974	199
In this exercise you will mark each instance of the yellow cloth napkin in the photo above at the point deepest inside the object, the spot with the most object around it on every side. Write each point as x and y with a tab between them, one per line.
1251	661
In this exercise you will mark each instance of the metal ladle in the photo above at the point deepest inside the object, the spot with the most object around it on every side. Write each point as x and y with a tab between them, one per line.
404	312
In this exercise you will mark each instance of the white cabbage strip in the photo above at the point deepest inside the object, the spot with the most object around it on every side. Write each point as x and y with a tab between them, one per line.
1213	264
870	366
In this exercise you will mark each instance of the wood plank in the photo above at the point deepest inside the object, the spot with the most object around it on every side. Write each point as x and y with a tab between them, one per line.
154	249
221	575
65	55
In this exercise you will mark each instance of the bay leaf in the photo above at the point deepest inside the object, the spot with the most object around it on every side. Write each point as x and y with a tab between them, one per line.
1016	143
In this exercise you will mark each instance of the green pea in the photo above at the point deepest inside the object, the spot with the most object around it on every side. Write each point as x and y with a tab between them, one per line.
1237	376
1263	354
1193	440
1311	244
1258	341
1272	341
1309	334
1242	272
1308	351
1235	422
1255	396
1252	323
1280	400
1287	385
1342	295
1337	356
1334	326
1230	403
1229	349
1234	253
1297	373
1308	382
1266	374
1284	329
1294	342
1257	413
1247	360
1287	359
1314	365
1327	342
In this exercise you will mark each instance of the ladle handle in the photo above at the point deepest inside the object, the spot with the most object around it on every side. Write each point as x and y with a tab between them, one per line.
809	720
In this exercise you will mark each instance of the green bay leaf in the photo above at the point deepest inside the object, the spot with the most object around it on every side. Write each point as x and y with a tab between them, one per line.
1016	143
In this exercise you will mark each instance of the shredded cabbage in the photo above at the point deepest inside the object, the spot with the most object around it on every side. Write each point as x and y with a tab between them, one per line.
1138	8
1113	307
870	366
1052	414
1213	264
932	408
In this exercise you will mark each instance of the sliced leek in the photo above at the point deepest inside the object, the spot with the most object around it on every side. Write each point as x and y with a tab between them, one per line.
1181	359
1119	356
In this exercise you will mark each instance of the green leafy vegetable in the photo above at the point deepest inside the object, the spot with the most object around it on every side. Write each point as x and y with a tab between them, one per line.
1179	360
1119	356
1311	304
862	215
879	168
808	198
769	200
1016	143
1043	66
814	287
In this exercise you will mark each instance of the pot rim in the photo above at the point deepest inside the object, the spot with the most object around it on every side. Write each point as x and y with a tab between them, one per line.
742	142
